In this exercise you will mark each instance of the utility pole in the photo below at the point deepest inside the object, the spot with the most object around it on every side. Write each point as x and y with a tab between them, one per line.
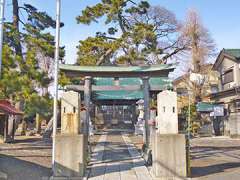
56	64
2	5
189	114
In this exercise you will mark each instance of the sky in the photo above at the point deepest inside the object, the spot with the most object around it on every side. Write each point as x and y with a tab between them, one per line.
220	17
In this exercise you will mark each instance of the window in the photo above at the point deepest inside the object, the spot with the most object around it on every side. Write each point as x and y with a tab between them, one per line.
227	77
214	88
182	92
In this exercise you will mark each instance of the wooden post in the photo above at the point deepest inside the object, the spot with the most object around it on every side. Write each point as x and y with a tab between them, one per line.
14	129
134	116
5	138
87	98
11	127
93	112
146	90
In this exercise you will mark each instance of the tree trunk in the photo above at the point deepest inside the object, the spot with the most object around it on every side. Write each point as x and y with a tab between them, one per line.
195	55
18	50
17	45
38	123
24	127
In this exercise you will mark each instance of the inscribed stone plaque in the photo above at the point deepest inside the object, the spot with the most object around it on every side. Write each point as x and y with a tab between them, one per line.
167	119
70	113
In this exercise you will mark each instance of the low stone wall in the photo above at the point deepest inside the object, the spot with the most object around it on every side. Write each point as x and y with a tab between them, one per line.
234	125
70	159
169	156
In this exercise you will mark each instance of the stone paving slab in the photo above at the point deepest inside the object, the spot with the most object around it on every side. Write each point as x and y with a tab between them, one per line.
97	160
119	158
112	171
139	163
124	167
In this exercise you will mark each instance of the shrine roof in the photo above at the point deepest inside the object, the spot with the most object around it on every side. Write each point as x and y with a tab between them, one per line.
6	107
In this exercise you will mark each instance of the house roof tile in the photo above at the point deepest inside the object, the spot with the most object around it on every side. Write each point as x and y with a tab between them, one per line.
6	107
233	52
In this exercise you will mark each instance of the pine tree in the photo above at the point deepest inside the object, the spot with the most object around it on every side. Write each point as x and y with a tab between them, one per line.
28	57
135	31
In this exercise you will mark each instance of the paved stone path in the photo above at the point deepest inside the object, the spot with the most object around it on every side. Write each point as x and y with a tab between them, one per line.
115	158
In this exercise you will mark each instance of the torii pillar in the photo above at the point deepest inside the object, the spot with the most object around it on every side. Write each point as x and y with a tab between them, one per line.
146	91
87	99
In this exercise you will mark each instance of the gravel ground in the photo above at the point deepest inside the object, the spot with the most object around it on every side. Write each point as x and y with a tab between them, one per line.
28	158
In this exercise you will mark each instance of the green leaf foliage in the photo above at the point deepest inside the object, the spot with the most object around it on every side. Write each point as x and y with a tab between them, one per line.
27	76
37	104
134	31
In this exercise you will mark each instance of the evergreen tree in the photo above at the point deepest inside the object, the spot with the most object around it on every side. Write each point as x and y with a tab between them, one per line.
135	31
28	57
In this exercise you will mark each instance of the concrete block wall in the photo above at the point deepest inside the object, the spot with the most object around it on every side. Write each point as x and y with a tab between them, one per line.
234	124
70	159
169	156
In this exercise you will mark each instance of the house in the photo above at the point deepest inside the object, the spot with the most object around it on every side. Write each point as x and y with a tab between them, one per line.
228	66
210	85
7	118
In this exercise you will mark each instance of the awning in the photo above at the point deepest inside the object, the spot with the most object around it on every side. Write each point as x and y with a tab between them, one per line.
6	107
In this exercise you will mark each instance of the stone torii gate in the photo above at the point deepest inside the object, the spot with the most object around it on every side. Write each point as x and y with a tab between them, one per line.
144	72
89	72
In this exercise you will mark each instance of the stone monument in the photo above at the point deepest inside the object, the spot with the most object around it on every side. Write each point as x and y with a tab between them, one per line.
168	147
167	119
70	159
70	113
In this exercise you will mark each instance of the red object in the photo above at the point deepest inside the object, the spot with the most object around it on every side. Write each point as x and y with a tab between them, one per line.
151	122
6	107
